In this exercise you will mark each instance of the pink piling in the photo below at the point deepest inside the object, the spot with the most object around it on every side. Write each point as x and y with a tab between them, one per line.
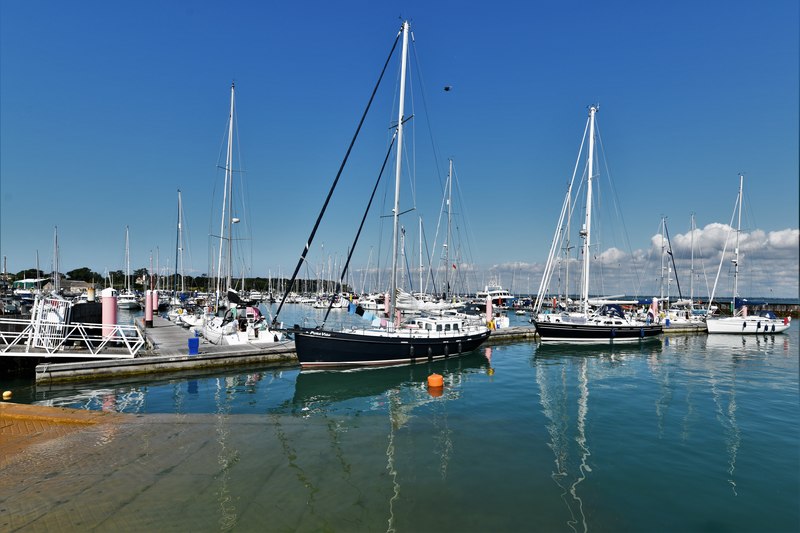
109	303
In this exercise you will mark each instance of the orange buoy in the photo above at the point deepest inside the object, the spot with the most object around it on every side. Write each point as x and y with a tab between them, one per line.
435	381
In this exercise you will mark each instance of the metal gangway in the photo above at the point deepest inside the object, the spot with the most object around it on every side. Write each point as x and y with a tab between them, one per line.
49	333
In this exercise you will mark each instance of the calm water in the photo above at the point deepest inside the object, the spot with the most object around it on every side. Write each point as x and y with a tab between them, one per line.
686	433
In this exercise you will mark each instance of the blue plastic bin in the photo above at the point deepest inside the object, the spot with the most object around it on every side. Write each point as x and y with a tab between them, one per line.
194	346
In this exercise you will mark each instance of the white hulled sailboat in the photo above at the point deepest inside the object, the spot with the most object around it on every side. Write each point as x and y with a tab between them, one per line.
741	323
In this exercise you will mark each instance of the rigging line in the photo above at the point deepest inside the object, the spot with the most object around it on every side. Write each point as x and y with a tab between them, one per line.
620	213
409	273
290	285
430	279
427	116
722	256
672	256
470	235
361	226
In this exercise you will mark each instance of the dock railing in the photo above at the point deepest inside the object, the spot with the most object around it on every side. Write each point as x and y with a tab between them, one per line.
36	338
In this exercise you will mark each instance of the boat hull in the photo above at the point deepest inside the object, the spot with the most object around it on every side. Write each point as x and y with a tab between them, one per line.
323	348
571	332
746	326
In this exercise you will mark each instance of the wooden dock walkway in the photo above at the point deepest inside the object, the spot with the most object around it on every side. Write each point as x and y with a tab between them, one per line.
168	351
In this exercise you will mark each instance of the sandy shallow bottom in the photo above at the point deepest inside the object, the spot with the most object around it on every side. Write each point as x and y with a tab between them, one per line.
70	470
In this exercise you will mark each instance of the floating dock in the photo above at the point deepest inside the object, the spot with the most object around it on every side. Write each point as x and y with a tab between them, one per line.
168	351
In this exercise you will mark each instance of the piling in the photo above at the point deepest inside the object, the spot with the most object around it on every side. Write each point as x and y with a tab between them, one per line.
109	302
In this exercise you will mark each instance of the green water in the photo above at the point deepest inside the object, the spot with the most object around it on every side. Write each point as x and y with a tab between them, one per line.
685	433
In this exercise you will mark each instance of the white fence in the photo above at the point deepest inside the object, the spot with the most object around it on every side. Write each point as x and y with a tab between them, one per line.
47	333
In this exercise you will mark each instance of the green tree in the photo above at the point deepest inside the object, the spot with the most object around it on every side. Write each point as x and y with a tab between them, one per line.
84	274
29	273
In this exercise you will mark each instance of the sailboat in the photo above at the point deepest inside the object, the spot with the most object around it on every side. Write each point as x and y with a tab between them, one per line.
389	339
127	298
240	324
609	323
741	323
678	316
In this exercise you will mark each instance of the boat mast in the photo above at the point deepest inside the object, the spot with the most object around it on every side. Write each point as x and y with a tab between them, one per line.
736	249
449	230
398	168
226	205
691	267
586	231
179	248
56	279
663	257
421	267
127	263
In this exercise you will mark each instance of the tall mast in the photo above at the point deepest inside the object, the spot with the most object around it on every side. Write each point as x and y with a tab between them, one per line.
398	168
56	279
226	205
663	256
691	268
586	232
127	263
178	250
421	267
736	250
449	231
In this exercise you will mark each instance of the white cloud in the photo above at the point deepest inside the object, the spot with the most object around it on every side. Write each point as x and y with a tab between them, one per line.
769	264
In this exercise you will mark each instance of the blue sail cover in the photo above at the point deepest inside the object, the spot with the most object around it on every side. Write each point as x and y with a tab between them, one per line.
744	301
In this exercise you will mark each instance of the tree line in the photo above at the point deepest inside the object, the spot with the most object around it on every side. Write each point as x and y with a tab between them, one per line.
140	280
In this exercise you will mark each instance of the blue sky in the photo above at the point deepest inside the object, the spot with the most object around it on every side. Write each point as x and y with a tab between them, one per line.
106	109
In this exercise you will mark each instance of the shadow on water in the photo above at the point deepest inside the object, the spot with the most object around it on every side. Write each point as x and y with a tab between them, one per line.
648	347
149	394
253	389
333	386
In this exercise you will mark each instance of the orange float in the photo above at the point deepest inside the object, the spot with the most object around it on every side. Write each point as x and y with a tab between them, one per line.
435	380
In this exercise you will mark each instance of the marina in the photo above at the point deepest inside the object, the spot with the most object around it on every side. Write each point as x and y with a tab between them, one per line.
407	285
169	352
683	433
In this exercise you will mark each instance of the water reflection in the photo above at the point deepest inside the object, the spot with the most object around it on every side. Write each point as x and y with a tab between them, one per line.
562	371
318	389
183	393
395	392
227	456
568	474
614	352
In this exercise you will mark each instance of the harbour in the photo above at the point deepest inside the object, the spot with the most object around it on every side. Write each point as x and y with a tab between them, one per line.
322	268
168	351
684	433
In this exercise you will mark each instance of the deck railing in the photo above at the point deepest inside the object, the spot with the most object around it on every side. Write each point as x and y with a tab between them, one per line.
34	338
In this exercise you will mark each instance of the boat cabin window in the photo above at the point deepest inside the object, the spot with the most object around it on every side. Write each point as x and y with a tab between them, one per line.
455	327
447	327
428	326
438	327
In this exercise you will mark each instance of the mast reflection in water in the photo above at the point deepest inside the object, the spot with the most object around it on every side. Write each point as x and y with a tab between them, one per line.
684	434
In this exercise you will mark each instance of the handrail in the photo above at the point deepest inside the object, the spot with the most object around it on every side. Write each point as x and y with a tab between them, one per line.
57	341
